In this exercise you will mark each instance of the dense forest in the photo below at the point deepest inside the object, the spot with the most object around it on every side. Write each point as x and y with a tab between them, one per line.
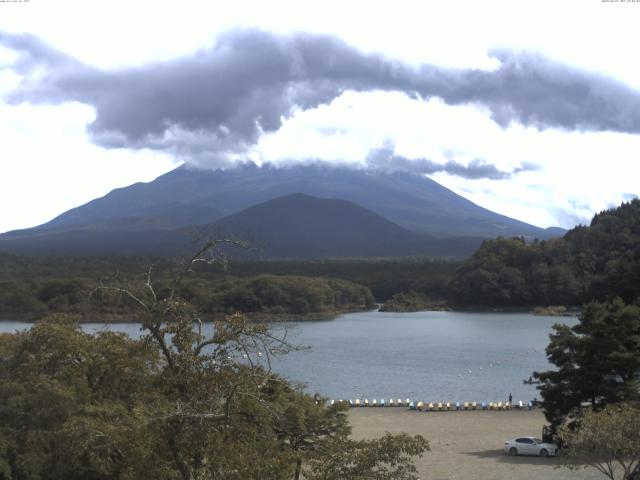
385	278
279	295
596	262
31	287
264	296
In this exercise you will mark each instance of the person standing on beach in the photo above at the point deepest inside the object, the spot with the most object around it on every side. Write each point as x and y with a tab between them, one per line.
510	398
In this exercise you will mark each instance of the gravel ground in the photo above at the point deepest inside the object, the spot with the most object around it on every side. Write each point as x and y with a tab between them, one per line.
467	444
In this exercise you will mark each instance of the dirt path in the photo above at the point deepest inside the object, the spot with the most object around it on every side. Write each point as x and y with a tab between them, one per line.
467	445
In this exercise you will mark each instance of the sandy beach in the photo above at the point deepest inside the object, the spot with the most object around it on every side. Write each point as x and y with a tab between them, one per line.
467	444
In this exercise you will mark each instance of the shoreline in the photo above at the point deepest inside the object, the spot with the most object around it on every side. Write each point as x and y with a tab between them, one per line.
468	444
569	312
256	317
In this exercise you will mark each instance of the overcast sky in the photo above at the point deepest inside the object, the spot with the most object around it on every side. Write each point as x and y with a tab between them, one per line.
530	109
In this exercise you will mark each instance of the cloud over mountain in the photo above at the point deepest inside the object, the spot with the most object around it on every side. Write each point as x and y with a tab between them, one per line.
385	158
219	101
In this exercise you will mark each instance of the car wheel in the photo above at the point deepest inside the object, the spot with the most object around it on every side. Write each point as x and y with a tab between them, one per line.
544	452
513	451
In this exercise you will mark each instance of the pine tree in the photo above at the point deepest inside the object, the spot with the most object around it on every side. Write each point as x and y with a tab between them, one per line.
597	360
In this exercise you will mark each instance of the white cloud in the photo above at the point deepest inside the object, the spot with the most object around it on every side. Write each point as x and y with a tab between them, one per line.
592	34
578	172
49	165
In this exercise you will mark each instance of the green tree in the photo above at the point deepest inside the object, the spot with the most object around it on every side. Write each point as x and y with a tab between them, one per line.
186	401
607	440
387	458
70	403
304	425
597	360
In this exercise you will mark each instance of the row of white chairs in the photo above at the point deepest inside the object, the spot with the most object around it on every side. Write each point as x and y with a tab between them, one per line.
437	406
375	402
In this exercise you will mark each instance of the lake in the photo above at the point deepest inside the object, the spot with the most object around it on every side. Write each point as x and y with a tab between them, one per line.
432	356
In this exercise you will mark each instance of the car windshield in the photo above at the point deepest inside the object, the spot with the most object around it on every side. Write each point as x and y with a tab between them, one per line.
537	440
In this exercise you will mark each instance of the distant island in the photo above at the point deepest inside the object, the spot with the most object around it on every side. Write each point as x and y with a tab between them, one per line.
554	311
412	302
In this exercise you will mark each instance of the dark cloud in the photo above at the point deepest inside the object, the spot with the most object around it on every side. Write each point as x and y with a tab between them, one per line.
219	101
385	158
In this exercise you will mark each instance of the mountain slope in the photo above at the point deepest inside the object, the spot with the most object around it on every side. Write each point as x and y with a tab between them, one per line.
293	226
413	202
160	217
301	226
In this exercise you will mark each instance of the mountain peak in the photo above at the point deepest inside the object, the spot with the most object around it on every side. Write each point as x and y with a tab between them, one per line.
191	197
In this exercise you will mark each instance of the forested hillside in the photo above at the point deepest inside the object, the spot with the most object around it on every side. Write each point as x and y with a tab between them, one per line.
594	262
34	286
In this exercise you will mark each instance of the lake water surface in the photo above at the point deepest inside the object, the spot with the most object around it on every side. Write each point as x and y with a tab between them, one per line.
432	356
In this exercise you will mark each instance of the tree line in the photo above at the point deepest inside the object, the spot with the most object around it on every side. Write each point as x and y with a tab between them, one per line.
596	262
31	287
263	296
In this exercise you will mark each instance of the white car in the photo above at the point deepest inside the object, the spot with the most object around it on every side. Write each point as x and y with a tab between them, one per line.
530	446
